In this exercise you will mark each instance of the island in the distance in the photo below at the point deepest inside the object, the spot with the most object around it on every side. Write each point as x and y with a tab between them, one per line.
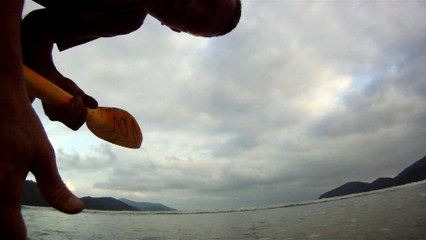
413	173
32	196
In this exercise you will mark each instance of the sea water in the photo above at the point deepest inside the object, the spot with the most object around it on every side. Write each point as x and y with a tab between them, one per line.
395	213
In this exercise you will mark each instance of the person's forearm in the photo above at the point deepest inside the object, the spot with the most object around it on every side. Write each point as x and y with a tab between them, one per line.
37	43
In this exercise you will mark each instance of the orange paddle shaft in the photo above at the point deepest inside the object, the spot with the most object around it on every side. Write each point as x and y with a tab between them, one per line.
44	89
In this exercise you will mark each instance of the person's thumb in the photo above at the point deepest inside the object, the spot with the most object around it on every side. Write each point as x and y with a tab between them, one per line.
51	185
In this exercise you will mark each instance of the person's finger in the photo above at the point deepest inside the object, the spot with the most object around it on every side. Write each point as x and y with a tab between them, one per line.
89	101
68	85
71	87
51	185
77	114
72	114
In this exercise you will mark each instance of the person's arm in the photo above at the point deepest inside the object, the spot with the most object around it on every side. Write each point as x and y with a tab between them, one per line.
24	145
38	38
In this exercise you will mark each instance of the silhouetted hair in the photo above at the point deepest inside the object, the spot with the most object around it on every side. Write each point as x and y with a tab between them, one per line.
234	21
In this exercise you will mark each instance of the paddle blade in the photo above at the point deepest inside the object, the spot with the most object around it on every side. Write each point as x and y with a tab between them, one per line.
115	126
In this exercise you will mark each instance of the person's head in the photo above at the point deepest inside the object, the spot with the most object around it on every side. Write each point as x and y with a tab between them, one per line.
206	18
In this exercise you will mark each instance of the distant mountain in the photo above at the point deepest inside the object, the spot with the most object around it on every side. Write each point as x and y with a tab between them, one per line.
32	196
146	206
413	173
106	203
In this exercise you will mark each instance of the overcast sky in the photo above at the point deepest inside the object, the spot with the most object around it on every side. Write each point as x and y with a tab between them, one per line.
302	97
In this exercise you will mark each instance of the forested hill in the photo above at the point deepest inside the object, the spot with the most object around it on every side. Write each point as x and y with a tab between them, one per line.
147	206
413	173
106	203
33	197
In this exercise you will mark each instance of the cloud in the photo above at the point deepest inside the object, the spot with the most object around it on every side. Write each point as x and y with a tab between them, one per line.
103	158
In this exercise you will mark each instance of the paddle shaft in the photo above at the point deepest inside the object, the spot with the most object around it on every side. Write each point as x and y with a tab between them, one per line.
45	90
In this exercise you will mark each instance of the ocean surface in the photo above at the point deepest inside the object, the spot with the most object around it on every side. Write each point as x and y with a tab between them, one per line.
395	213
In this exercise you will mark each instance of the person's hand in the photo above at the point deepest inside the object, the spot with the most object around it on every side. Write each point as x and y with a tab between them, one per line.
25	147
72	114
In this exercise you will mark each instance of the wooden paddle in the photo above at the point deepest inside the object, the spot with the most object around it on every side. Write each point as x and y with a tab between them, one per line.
111	124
